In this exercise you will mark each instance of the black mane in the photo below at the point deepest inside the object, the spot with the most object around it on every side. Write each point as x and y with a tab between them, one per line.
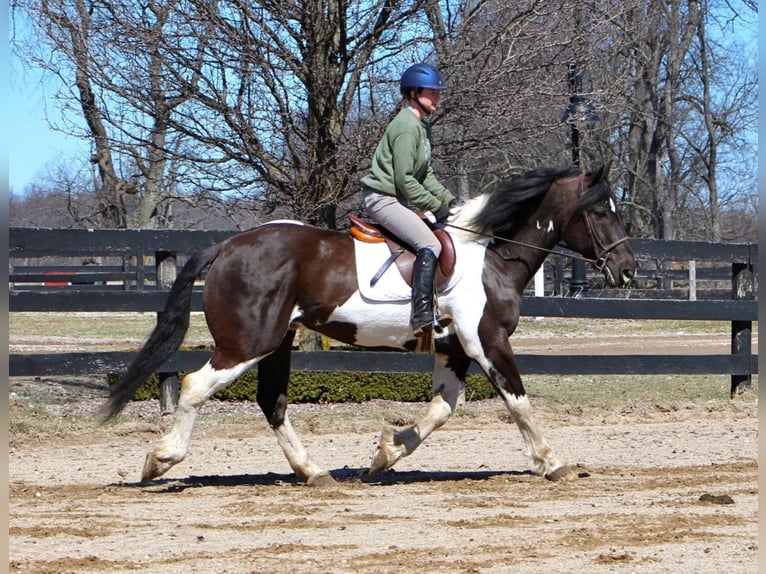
511	204
599	190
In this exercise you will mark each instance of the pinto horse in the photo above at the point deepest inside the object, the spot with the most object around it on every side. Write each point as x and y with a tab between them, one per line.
264	283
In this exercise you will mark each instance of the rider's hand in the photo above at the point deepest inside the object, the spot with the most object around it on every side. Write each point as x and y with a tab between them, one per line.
455	207
442	213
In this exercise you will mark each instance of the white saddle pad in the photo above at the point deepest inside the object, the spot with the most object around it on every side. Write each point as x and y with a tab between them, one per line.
370	257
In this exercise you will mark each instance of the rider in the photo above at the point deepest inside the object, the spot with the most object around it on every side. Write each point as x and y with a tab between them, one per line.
401	181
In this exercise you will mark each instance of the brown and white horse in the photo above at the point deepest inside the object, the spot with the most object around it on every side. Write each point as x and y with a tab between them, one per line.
263	283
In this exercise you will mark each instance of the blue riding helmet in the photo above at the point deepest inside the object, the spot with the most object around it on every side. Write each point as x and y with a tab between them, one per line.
421	76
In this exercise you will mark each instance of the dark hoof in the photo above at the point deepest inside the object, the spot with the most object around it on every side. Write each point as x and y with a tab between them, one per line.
379	462
321	480
441	324
565	472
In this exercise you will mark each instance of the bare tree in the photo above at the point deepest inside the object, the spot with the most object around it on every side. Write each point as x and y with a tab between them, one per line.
73	28
664	84
506	66
274	87
274	107
724	102
113	56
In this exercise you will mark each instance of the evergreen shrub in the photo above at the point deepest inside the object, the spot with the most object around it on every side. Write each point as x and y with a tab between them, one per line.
335	387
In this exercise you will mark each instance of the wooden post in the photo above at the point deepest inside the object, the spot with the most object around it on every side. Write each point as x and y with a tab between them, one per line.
741	331
540	285
692	280
165	265
140	271
662	281
558	276
125	268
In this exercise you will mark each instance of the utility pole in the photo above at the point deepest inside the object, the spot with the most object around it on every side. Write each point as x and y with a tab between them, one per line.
578	111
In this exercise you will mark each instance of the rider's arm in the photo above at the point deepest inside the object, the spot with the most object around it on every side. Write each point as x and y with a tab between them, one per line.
410	168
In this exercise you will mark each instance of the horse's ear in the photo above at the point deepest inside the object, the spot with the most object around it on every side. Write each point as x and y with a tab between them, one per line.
602	172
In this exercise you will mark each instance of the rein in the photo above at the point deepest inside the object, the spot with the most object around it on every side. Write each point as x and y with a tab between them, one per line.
599	247
573	255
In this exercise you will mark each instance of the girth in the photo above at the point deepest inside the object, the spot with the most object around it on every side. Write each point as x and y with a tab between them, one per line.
402	253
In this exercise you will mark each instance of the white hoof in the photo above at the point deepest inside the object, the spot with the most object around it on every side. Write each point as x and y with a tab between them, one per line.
386	453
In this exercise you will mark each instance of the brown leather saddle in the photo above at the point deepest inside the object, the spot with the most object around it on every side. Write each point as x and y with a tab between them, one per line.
403	254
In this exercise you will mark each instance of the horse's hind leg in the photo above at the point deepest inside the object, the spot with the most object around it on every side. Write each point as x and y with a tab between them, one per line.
448	394
196	388
273	379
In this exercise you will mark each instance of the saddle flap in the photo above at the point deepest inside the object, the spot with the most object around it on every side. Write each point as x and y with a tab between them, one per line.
369	232
444	270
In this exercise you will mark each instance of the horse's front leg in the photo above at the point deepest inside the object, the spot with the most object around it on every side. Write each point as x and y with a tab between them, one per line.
499	363
448	394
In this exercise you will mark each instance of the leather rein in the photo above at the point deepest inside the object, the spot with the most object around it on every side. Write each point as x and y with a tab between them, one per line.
599	246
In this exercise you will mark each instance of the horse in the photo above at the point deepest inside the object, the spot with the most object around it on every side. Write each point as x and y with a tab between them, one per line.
262	284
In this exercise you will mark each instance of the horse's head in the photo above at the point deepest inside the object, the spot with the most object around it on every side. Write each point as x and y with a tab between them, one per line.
596	231
534	211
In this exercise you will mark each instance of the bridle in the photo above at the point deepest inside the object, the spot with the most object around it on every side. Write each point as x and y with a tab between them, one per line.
572	254
600	247
602	250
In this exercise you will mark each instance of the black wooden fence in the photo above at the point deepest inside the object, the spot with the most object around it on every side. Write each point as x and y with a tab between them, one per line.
142	264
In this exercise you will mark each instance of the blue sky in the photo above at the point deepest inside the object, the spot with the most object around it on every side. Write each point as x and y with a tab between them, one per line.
32	145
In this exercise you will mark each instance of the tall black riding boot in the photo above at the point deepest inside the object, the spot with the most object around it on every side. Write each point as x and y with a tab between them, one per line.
423	273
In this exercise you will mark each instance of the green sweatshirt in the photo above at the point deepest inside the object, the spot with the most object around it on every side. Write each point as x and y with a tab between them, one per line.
401	165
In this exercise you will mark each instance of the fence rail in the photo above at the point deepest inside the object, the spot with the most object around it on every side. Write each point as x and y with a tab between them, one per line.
140	289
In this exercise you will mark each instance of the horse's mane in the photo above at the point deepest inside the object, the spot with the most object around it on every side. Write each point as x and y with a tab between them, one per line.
510	204
599	190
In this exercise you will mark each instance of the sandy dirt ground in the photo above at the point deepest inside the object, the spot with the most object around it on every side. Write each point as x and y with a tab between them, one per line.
660	489
668	487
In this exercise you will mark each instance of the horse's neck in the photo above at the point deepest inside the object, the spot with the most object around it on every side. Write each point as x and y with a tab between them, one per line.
526	252
528	246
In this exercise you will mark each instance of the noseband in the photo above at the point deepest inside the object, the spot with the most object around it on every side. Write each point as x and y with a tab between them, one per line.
600	248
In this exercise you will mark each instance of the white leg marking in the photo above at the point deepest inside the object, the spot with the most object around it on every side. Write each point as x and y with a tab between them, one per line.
541	455
196	388
296	454
449	393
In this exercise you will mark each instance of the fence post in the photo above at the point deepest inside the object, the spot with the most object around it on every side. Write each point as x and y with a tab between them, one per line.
165	265
540	281
140	271
558	276
125	268
741	331
692	280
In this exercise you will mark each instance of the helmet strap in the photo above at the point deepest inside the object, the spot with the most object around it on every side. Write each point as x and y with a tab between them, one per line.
417	102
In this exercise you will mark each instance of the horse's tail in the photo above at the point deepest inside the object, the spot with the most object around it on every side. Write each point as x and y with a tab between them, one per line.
167	335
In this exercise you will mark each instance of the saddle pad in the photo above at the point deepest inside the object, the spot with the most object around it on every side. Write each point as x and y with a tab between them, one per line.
370	257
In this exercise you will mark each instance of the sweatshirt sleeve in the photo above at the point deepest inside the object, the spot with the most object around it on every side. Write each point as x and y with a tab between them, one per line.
407	185
435	188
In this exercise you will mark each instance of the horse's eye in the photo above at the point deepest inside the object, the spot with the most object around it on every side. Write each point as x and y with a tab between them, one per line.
603	209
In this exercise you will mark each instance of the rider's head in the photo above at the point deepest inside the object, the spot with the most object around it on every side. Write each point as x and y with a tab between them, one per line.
422	85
